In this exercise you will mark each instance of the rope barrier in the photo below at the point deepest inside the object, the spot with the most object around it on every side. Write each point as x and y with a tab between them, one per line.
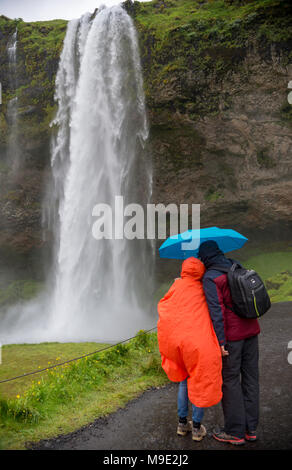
71	360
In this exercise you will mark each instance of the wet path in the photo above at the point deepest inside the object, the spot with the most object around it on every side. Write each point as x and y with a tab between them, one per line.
149	422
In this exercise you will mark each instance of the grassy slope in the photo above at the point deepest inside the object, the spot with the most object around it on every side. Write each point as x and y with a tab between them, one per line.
68	397
20	358
169	14
269	265
182	35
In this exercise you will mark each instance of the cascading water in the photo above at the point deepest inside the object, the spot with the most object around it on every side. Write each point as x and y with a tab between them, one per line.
97	289
13	154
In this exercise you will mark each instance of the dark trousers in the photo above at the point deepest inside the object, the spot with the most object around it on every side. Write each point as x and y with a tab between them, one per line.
240	399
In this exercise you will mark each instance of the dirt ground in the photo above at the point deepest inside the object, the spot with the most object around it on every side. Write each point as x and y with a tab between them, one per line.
149	422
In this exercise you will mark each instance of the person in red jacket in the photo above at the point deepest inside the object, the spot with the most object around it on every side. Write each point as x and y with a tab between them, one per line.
189	347
238	339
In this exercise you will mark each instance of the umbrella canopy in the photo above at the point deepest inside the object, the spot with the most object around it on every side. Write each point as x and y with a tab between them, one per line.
186	244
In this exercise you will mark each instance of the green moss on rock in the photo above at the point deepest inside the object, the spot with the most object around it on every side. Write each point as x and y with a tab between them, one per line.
19	291
39	45
187	43
280	287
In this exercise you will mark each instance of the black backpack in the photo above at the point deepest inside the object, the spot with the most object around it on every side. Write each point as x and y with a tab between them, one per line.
248	292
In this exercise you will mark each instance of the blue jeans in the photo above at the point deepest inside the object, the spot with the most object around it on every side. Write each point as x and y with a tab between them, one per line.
183	404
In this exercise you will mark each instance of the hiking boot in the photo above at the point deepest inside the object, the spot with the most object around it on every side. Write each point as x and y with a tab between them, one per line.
184	428
222	436
251	436
199	433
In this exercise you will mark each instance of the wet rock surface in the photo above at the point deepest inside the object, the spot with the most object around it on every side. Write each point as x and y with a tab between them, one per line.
149	422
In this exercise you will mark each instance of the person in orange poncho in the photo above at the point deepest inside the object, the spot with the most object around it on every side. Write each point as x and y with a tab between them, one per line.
189	347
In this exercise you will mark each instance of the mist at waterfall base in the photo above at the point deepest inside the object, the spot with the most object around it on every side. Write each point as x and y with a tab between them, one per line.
96	290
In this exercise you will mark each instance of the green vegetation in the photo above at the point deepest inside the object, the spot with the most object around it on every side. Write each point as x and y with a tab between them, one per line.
272	267
270	264
40	42
216	17
185	43
70	396
20	358
18	291
280	287
212	195
39	45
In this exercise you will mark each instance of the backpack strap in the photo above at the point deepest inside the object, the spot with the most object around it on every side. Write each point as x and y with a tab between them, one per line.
225	269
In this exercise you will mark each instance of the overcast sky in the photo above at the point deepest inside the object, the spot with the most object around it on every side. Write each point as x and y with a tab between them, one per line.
34	10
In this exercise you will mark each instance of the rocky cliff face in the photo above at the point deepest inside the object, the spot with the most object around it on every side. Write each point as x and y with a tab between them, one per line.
21	190
216	76
237	162
221	124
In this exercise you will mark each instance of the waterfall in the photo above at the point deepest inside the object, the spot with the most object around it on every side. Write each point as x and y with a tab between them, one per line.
13	152
96	289
12	55
102	127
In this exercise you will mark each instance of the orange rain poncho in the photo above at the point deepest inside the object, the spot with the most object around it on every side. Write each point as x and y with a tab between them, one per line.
187	342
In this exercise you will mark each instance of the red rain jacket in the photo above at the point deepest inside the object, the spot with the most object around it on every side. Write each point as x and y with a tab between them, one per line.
187	342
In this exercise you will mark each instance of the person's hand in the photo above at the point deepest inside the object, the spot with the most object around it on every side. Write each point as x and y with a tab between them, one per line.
224	352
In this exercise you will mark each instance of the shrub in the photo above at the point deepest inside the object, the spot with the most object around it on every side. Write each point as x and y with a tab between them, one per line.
19	410
141	340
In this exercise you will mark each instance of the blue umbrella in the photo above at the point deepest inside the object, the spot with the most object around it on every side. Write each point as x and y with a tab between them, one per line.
187	244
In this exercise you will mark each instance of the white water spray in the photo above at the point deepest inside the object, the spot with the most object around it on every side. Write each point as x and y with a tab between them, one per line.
97	289
13	152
